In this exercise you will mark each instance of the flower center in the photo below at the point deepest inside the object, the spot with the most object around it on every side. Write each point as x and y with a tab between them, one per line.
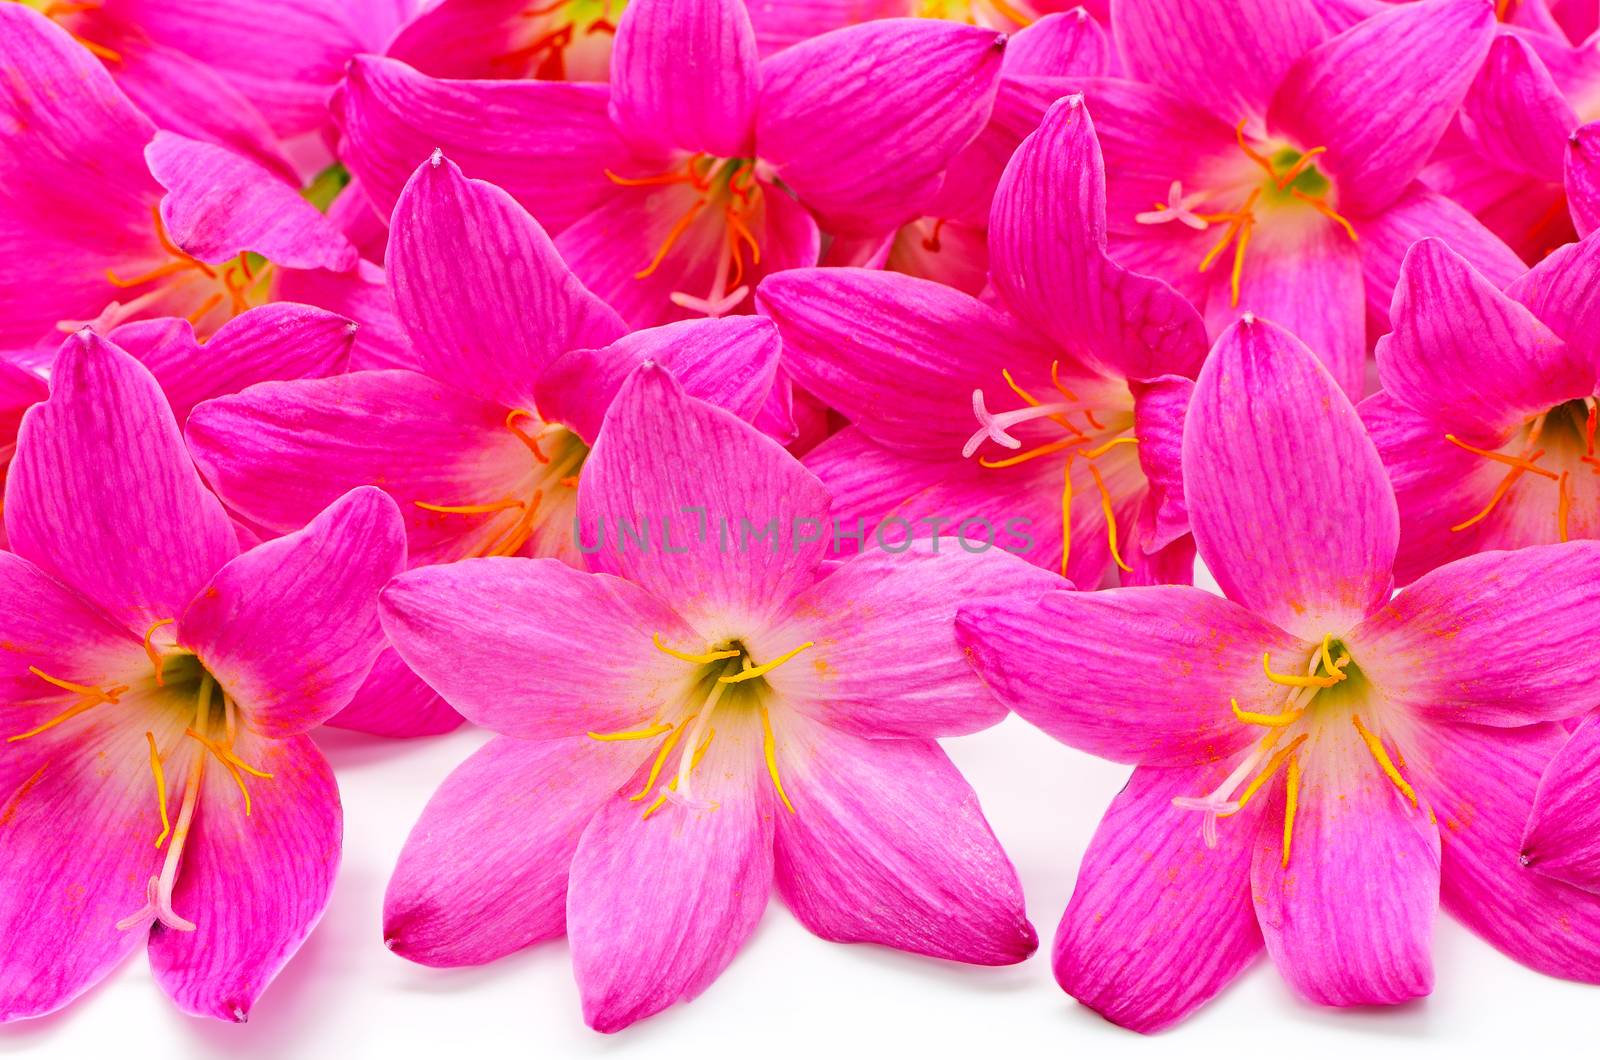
567	39
725	186
210	720
1293	183
509	522
725	677
1332	690
1564	433
242	283
1088	442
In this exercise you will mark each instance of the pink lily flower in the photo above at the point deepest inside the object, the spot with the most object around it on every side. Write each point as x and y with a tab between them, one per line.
159	684
700	168
1257	161
1315	769
122	222
482	443
1516	149
1487	419
1061	412
756	720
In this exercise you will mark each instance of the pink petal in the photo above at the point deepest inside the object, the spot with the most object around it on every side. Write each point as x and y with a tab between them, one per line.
1158	923
1349	919
282	54
1380	95
732	362
1160	408
219	205
1419	214
1481	783
864	150
1470	642
1152	669
102	494
191	98
1515	114
1309	281
1557	290
1582	177
1048	259
1248	46
1437	486
864	676
1290	506
780	25
75	855
1469	356
280	340
640	475
1560	838
684	77
290	628
546	143
478	285
501	39
1065	43
897	355
658	906
887	844
74	219
497	638
282	452
254	885
519	807
396	703
363	296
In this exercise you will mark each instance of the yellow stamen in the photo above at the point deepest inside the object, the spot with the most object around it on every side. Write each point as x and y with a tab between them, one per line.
1102	450
1255	156
527	439
694	762
703	660
1055	381
1335	669
1066	516
1297	681
661	758
769	747
205	307
161	789
93	696
1273	763
1522	463
1327	211
1375	746
750	673
1273	721
236	766
470	509
1031	454
632	734
1563	505
150	649
1033	402
1111	519
1010	12
1247	226
677	230
1291	802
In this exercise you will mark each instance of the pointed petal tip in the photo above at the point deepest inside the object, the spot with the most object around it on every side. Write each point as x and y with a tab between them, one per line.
435	157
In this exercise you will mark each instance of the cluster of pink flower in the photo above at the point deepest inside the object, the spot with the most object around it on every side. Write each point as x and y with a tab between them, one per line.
674	291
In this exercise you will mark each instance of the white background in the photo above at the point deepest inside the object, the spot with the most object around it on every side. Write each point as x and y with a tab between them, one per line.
789	993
